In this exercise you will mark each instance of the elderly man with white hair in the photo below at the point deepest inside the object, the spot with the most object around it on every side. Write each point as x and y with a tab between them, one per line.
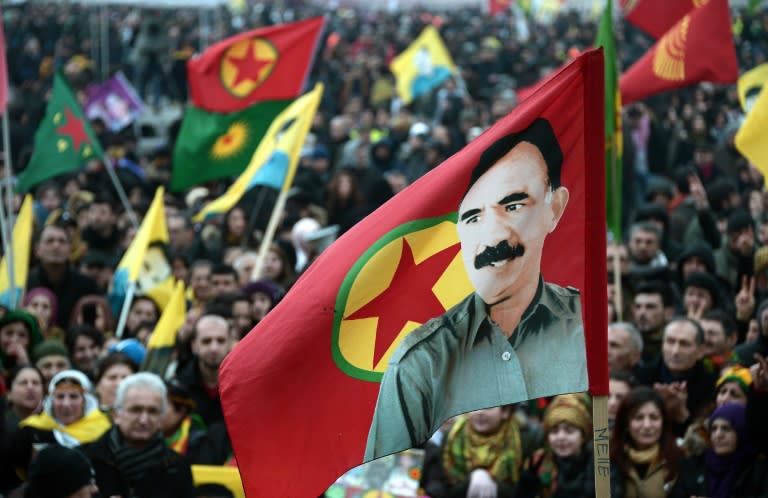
131	459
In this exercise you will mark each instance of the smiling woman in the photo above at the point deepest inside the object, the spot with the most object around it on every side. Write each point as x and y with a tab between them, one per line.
643	445
729	468
70	417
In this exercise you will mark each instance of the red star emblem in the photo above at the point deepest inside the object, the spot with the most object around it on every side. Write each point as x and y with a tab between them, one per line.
248	66
409	296
74	128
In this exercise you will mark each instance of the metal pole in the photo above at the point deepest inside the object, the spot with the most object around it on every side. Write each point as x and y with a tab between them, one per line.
129	293
121	193
104	24
8	218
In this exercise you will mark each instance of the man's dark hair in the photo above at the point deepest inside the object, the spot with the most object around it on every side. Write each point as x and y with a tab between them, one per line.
693	323
223	269
656	287
539	134
720	316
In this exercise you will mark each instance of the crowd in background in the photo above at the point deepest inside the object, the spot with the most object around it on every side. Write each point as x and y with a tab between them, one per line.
688	282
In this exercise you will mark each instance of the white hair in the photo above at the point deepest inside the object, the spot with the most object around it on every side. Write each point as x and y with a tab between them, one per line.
145	380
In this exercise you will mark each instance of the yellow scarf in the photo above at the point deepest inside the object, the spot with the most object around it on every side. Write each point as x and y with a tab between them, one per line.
643	457
87	429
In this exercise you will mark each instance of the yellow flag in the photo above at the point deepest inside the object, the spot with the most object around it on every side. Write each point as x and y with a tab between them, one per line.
422	66
224	475
22	242
752	137
277	156
750	84
145	263
171	319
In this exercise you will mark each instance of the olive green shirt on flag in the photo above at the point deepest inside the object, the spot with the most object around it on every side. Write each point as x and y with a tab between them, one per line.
461	361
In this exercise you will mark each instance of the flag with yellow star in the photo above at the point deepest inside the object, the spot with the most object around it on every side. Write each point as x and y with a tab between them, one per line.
213	145
327	345
63	142
269	63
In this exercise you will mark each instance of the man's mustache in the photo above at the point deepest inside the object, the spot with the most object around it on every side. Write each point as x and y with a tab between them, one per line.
501	252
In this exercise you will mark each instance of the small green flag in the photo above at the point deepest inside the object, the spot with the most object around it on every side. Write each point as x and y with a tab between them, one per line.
613	133
63	142
215	145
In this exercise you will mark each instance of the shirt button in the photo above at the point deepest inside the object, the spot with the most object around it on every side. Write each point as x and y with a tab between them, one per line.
506	356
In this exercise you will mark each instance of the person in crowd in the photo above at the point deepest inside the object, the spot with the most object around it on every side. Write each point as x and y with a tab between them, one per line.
200	282
735	258
679	374
19	334
651	309
223	279
625	346
183	431
278	268
55	272
26	388
733	386
112	369
131	458
645	253
85	344
564	467
51	357
643	445
482	453
720	336
143	309
101	231
264	296
211	341
701	293
95	311
70	417
729	468
61	472
42	303
747	350
620	383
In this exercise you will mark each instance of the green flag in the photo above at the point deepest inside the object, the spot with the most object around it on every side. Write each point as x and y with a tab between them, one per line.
215	145
63	142
613	134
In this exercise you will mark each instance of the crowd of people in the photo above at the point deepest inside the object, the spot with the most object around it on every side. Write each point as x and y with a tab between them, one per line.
688	282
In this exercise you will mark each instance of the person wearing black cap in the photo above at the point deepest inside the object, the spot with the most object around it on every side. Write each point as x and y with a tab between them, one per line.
60	472
735	258
496	346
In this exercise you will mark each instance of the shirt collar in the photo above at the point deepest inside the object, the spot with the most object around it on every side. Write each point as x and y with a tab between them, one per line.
546	303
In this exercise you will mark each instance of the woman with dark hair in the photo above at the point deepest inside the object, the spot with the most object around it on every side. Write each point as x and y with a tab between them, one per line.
277	267
93	310
85	343
343	198
729	468
643	445
19	334
143	309
44	304
112	369
24	396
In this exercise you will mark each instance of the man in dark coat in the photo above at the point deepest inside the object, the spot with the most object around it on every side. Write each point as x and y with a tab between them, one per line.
131	459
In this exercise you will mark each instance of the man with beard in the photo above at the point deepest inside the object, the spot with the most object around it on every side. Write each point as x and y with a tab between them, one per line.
516	337
212	340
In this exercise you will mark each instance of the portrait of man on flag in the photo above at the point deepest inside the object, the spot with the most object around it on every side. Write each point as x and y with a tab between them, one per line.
516	337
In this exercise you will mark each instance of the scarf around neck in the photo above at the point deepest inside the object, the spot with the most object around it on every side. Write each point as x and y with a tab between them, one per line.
134	463
499	453
85	430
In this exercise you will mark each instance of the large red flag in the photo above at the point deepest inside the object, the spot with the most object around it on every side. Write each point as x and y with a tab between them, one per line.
655	17
300	391
264	64
698	48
